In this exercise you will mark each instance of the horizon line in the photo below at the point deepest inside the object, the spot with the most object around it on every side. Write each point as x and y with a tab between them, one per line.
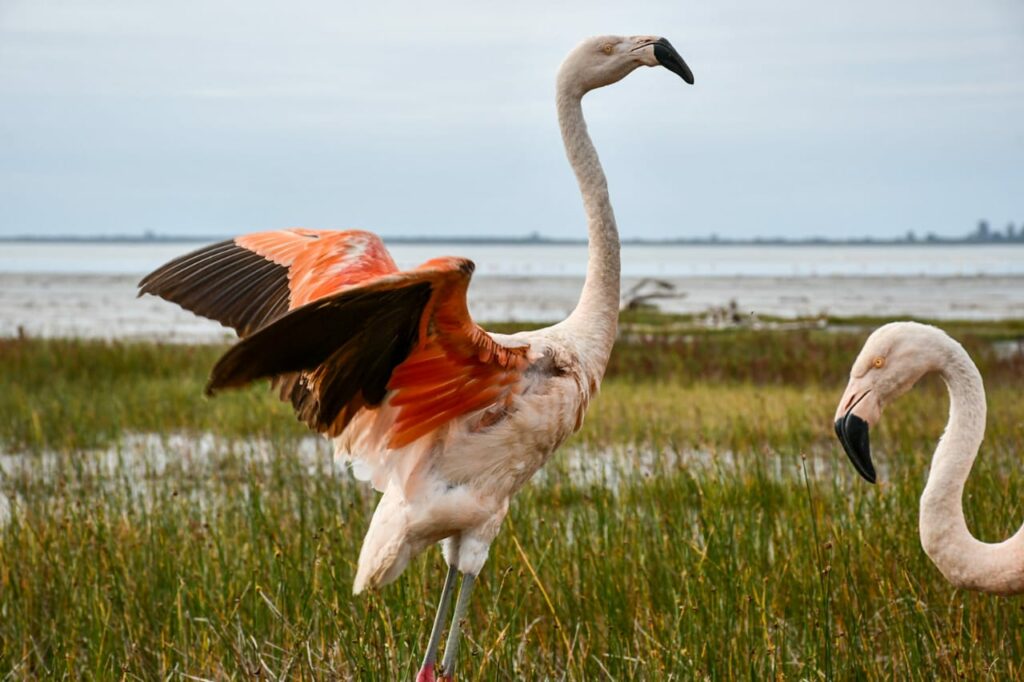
540	240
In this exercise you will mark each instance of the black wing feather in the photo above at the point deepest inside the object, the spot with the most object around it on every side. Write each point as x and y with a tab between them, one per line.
332	356
224	282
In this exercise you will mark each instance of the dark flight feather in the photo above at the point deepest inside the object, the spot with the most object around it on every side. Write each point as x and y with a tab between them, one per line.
224	282
332	356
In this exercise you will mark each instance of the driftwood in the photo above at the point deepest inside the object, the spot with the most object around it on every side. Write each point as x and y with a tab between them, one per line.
642	295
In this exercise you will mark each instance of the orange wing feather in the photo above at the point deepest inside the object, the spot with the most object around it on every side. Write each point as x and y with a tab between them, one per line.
248	282
327	315
322	262
457	368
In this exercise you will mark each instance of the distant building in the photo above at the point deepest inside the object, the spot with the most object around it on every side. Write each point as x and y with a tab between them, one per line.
984	233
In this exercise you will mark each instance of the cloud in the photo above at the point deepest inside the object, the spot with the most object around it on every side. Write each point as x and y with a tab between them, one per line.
121	115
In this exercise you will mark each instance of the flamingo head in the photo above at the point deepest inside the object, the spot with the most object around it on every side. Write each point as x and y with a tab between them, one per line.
894	357
603	60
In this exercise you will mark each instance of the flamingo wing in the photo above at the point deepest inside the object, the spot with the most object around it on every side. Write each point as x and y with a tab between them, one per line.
406	338
249	281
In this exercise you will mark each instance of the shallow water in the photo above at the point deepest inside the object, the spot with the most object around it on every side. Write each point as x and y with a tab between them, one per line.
89	289
142	463
570	260
106	306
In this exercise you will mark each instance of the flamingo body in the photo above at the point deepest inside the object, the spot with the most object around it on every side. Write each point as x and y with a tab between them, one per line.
447	420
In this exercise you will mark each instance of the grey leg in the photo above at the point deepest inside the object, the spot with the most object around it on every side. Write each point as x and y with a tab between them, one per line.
427	669
451	649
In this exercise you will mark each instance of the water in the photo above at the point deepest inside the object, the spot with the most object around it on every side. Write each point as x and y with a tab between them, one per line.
140	464
88	290
532	260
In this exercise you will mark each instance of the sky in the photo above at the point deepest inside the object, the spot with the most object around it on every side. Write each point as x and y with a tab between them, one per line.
205	117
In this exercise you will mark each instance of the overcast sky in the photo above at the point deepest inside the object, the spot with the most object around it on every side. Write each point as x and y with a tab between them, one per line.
413	118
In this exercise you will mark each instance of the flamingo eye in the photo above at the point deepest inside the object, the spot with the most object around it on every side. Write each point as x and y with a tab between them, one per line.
608	47
878	362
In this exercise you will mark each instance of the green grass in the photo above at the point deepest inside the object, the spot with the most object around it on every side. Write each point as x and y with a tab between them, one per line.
724	537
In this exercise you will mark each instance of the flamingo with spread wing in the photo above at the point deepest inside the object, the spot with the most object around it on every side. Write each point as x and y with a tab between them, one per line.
446	419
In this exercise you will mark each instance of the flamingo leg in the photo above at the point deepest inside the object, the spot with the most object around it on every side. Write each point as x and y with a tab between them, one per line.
426	673
451	648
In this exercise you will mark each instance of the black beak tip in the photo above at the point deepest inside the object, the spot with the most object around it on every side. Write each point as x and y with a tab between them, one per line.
670	59
853	434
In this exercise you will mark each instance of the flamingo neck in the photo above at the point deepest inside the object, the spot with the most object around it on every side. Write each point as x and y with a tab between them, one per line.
965	561
594	321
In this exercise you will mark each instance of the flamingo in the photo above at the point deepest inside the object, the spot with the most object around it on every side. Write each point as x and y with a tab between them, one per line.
893	359
447	420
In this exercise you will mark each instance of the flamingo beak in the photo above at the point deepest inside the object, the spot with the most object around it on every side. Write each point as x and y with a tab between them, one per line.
670	59
857	410
853	434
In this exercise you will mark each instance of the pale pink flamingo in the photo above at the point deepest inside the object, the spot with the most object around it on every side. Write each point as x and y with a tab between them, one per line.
446	419
893	359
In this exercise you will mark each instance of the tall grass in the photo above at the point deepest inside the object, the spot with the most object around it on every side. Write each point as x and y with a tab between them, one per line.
723	536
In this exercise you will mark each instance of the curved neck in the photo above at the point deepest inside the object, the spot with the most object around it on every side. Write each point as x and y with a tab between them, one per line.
595	319
964	560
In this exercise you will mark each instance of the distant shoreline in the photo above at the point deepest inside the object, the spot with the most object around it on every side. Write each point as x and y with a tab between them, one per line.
532	241
103	305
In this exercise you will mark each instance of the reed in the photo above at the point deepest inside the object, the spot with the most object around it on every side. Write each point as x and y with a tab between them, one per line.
703	524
